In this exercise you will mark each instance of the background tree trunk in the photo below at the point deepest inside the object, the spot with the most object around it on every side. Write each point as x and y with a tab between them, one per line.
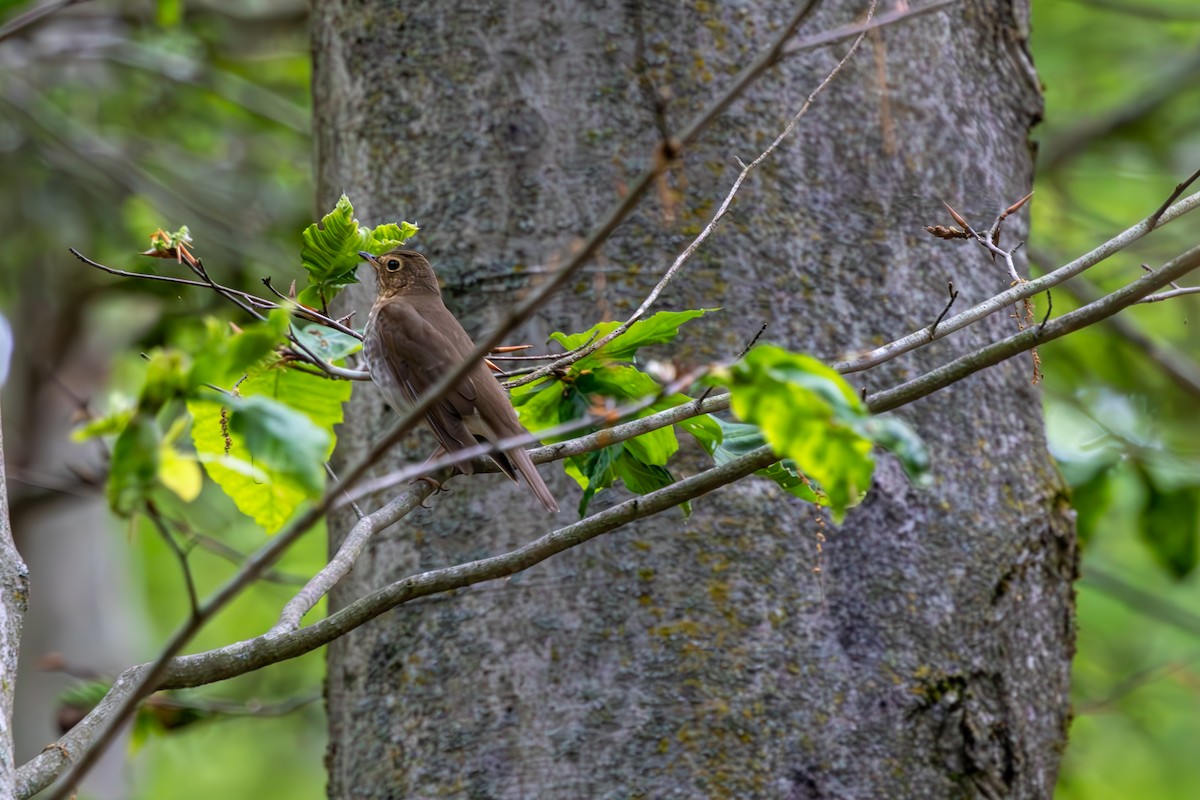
920	650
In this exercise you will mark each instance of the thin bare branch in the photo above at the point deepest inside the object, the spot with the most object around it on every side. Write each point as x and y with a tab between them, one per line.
720	213
1180	188
1171	293
953	295
252	654
1031	337
850	31
1021	291
1182	370
164	531
145	680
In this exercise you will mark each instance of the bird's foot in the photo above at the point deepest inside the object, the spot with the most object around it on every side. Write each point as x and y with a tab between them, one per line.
433	484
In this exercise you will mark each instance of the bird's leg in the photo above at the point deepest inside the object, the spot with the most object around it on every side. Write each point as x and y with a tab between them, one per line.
436	484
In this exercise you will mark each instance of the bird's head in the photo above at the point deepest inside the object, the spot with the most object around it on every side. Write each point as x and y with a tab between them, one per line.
402	272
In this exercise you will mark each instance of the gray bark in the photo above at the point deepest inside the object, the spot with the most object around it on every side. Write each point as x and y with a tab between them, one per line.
14	602
929	656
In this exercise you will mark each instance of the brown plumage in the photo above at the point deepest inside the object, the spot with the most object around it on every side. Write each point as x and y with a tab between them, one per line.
412	339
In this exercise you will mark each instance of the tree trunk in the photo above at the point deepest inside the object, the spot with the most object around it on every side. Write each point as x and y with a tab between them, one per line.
923	648
14	602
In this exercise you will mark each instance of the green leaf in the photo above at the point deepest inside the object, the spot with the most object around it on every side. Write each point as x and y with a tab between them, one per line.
180	473
329	250
256	340
390	236
133	472
1091	500
898	437
328	344
167	377
287	443
267	496
655	447
624	384
593	471
600	375
705	429
657	329
642	478
739	438
228	355
618	381
549	403
113	422
312	296
808	413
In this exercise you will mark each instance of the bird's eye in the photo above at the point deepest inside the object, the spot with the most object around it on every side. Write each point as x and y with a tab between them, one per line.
392	265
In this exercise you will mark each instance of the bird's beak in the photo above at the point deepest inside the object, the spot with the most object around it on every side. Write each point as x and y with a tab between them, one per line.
370	259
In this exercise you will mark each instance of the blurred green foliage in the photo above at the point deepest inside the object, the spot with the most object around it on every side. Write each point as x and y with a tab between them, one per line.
117	119
1122	83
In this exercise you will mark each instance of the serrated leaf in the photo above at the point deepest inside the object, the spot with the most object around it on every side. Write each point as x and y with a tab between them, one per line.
329	250
657	329
390	236
268	498
289	445
328	344
642	478
808	413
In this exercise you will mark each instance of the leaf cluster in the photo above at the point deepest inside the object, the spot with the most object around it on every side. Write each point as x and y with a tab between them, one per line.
606	378
263	439
330	251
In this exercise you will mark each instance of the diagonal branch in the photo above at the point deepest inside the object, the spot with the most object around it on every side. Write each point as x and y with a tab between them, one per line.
146	680
582	352
252	654
442	469
1031	337
879	355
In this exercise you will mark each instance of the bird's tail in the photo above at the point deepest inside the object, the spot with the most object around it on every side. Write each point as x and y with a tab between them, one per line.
524	464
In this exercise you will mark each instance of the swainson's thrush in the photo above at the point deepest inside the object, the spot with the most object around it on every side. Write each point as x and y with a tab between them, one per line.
412	340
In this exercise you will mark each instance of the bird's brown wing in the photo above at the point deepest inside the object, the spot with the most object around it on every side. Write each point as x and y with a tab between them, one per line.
409	350
499	420
411	355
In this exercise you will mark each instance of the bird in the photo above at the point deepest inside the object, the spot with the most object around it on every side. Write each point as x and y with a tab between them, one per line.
411	340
